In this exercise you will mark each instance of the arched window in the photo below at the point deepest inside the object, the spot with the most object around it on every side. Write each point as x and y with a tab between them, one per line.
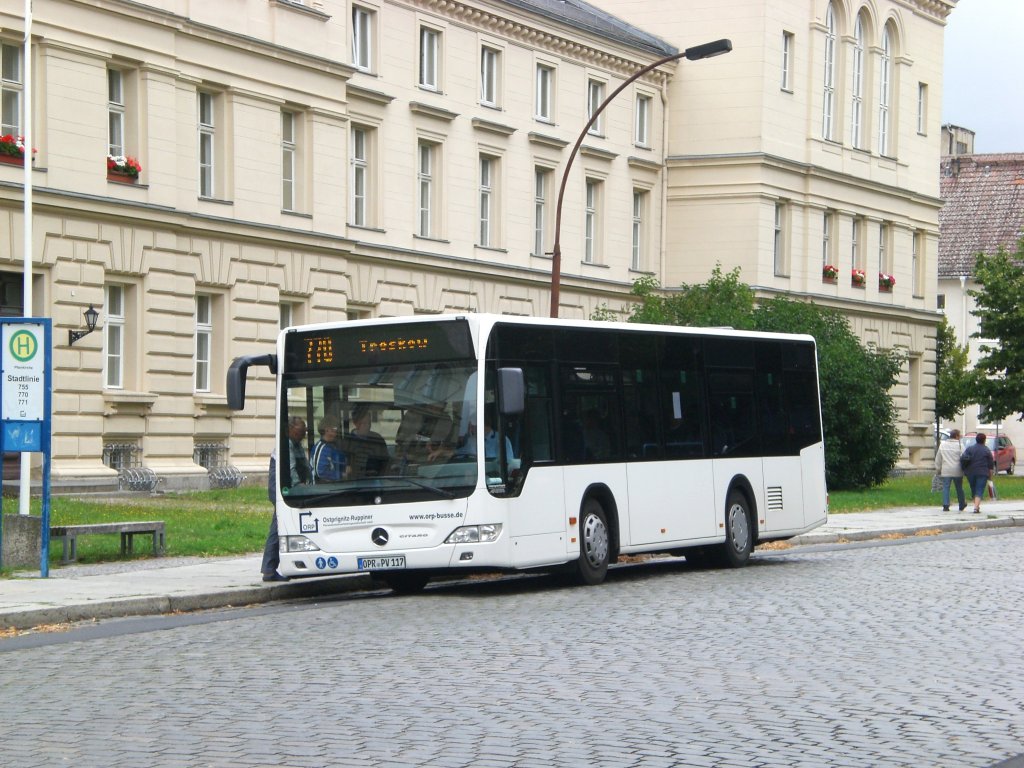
829	90
857	86
884	92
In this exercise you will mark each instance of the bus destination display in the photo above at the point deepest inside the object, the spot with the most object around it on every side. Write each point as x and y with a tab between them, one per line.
378	345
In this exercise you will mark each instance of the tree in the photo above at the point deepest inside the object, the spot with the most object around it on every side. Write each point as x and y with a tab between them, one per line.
858	415
1000	312
956	384
723	301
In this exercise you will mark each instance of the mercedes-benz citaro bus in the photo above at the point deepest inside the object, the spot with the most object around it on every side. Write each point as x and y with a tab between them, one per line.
475	442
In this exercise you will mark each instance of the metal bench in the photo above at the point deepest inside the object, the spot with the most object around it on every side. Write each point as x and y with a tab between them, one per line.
68	536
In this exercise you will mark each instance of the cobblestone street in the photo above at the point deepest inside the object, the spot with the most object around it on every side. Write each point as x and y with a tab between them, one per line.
881	654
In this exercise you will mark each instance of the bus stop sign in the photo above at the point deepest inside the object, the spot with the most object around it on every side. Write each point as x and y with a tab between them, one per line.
23	410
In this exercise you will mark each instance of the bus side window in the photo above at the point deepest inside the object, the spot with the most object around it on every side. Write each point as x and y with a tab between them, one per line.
639	400
537	442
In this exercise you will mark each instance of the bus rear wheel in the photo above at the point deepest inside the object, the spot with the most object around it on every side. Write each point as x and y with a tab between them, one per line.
595	552
406	583
739	533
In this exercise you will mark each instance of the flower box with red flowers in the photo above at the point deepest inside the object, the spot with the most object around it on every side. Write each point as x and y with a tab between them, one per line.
12	149
120	168
829	273
885	282
858	279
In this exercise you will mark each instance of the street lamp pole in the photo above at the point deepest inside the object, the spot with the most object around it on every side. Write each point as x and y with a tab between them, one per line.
705	51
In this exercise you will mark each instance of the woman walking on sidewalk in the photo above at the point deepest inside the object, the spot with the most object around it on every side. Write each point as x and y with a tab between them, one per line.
978	464
947	467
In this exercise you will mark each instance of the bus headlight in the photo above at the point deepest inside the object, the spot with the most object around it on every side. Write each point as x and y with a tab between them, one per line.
298	544
472	534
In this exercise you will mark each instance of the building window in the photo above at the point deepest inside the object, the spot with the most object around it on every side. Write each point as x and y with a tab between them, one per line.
11	85
207	136
787	61
857	85
595	97
362	36
489	80
884	253
637	259
430	47
591	221
829	81
204	340
115	113
855	255
425	195
779	241
360	183
541	187
289	314
113	337
884	77
288	160
915	383
940	302
545	90
487	172
643	120
826	238
922	109
917	263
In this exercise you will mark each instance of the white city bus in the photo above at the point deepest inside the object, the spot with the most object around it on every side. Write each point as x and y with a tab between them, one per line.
482	442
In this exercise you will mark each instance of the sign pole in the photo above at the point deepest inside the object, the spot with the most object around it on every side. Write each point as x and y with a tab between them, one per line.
26	401
25	487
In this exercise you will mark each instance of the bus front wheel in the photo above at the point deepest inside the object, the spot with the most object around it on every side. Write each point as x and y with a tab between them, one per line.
592	566
739	533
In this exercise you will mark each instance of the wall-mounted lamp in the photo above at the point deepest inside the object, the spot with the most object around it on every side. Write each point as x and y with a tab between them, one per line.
91	316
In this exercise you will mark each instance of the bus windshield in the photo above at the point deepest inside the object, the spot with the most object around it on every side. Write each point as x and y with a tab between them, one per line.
399	430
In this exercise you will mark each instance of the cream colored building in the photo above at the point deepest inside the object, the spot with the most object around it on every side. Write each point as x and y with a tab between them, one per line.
320	160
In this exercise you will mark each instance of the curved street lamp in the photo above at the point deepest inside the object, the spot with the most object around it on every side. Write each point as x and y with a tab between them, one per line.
705	51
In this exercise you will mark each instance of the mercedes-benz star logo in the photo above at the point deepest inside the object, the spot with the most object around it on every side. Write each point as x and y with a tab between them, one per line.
379	537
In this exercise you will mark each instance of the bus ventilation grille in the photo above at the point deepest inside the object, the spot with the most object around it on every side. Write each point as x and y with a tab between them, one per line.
774	498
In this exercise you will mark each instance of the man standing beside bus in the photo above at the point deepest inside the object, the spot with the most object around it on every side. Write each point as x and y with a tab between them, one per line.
271	548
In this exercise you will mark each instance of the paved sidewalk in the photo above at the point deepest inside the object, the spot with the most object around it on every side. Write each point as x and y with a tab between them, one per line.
165	585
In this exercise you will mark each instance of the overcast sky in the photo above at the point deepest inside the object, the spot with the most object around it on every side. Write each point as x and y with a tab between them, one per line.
984	73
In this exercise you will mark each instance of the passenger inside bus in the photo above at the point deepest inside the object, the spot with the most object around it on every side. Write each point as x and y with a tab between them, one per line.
425	435
365	450
327	460
468	446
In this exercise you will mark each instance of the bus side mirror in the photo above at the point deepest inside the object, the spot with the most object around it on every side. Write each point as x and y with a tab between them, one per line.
511	391
236	377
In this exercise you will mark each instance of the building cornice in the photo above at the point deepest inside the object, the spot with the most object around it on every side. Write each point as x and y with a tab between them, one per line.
142	12
936	10
538	38
492	127
547	141
419	108
795	166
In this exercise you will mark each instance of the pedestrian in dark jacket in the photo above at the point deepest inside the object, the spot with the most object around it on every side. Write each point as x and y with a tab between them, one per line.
271	549
978	465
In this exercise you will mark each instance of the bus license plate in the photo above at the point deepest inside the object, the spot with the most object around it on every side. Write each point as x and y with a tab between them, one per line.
381	563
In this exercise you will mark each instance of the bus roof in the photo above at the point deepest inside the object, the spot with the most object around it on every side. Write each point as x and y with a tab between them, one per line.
485	321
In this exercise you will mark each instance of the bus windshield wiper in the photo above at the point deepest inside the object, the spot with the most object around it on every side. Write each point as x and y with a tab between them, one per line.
420	484
374	487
